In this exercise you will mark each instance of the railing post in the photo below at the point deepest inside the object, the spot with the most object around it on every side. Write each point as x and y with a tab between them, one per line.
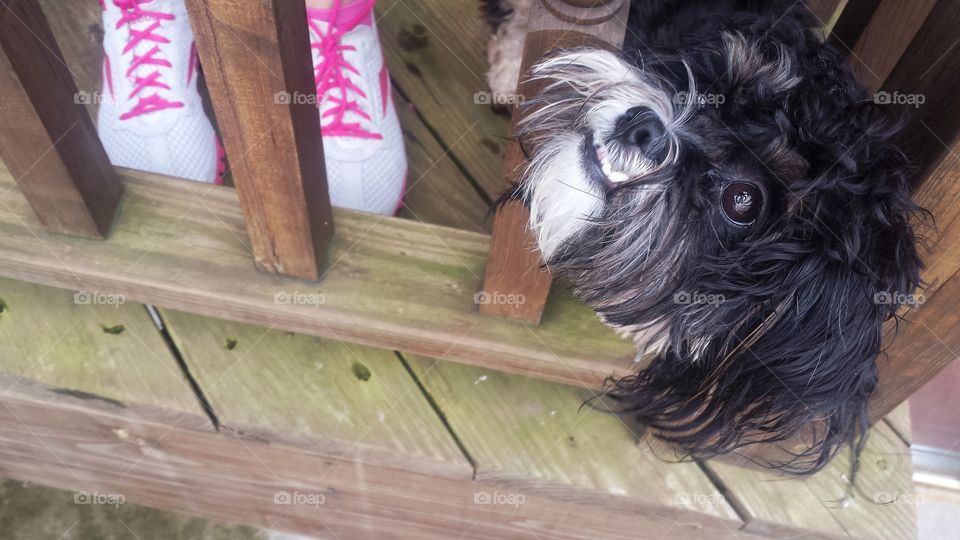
514	265
927	69
257	61
47	139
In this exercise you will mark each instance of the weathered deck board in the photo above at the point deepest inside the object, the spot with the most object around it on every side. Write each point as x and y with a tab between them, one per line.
899	422
436	53
113	425
882	506
535	437
437	191
82	344
392	283
339	399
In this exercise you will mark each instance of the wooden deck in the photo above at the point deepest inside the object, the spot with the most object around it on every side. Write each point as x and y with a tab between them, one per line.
318	431
372	444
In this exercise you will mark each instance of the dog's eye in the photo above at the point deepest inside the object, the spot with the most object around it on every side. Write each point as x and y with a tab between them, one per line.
741	202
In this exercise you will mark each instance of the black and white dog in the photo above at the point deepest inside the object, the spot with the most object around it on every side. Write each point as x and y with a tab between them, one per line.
724	192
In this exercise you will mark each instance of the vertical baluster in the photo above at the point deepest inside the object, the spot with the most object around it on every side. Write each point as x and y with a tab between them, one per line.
514	266
257	61
47	139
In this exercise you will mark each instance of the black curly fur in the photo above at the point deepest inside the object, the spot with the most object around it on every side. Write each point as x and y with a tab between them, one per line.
792	350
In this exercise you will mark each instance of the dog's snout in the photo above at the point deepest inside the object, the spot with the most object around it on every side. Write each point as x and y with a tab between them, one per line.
640	127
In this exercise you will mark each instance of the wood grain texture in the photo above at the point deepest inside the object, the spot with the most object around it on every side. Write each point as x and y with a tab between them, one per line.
899	422
48	141
515	266
851	23
88	344
97	412
438	192
325	396
888	34
929	68
393	283
824	10
537	437
929	339
882	505
435	50
155	462
78	29
258	66
515	282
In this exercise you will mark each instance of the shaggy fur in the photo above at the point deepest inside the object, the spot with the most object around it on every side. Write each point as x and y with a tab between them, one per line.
725	192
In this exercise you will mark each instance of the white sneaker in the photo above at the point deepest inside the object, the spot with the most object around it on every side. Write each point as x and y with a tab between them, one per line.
362	142
151	115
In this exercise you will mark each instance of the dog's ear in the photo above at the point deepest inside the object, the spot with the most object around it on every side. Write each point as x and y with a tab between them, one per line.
789	353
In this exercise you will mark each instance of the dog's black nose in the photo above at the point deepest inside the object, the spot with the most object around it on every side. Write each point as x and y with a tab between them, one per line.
640	127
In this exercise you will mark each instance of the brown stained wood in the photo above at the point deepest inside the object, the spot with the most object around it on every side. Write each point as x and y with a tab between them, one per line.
778	506
436	53
929	70
165	461
928	342
881	44
325	396
514	269
823	10
88	344
393	283
258	66
853	19
47	141
437	191
538	438
78	29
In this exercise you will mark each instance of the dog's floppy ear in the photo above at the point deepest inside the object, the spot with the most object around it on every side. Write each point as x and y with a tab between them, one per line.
790	354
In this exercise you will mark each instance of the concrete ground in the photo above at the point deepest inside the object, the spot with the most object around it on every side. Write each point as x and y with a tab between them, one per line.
30	512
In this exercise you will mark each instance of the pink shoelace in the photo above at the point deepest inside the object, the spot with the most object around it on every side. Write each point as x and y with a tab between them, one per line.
330	76
130	13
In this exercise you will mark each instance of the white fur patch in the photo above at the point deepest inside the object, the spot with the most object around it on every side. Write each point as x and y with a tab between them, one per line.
562	199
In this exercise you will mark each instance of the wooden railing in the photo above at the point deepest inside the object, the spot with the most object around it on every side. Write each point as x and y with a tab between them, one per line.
50	147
